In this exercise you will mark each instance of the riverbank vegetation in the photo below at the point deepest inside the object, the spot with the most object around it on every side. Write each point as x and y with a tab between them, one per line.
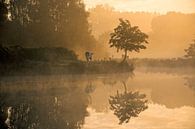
16	60
37	38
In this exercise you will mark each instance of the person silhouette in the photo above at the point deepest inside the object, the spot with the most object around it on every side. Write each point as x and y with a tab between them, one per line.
88	56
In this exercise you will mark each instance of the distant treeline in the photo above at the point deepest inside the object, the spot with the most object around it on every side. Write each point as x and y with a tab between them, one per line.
174	62
166	31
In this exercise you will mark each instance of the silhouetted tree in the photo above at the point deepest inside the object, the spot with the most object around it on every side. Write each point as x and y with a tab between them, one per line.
128	38
128	104
3	11
190	51
48	23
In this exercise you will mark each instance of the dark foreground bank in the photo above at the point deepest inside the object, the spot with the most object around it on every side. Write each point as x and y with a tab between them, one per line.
16	60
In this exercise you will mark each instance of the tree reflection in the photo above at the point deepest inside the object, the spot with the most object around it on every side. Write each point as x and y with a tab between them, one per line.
127	104
63	108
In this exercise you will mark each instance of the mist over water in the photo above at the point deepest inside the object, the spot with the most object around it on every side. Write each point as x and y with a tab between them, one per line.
63	66
81	101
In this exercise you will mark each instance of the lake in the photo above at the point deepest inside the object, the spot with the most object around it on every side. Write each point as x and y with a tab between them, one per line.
83	101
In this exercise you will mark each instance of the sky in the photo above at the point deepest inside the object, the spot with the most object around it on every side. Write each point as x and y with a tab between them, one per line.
159	6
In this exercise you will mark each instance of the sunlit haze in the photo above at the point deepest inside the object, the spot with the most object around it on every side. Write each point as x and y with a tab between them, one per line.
97	64
169	23
160	6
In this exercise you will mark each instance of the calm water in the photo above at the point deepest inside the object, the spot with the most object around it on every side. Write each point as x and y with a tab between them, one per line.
73	102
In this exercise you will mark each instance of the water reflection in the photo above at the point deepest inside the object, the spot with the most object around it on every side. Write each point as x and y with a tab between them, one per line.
127	104
113	79
90	88
73	102
51	109
190	82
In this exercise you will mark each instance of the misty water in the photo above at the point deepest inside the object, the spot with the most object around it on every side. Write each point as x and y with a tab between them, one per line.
82	101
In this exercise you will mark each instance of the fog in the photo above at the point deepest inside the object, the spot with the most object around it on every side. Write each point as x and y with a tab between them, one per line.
64	65
172	32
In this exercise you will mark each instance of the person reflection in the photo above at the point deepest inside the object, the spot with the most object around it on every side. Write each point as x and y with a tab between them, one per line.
90	88
114	78
127	104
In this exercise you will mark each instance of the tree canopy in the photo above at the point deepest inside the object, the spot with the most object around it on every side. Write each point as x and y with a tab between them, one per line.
47	23
128	38
3	11
190	51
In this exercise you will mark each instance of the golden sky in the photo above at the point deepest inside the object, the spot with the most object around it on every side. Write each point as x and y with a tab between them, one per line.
160	6
169	33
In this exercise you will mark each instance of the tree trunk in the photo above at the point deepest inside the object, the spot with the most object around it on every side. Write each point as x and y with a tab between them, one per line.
125	57
125	87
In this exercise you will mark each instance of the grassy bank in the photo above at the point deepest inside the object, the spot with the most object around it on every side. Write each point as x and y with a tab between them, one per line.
45	61
77	67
